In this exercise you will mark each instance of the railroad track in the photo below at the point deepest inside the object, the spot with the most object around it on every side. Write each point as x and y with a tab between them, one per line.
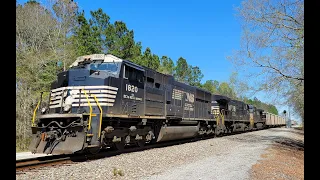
56	160
33	163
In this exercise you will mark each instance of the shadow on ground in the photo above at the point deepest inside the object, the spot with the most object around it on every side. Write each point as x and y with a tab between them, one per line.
280	141
290	144
295	131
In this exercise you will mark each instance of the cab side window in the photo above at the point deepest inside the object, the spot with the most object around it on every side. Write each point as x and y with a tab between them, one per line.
132	74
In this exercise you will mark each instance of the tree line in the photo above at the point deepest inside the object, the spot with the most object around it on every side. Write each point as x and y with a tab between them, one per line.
49	37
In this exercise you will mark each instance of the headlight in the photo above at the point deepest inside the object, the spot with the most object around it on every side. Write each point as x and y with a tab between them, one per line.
68	103
66	93
67	108
43	110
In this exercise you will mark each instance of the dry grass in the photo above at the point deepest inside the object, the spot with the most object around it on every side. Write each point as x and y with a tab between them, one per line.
117	171
22	145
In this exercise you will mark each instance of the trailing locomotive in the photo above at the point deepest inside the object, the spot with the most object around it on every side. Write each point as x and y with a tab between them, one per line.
103	101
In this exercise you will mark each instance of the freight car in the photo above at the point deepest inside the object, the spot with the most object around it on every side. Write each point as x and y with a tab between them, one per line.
103	101
273	120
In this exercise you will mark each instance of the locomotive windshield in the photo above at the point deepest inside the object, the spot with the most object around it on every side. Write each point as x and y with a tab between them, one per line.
110	67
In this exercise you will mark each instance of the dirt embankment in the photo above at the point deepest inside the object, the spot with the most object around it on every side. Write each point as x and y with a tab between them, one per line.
283	160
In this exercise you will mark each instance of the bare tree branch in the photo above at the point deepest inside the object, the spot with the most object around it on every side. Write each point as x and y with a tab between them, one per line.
273	44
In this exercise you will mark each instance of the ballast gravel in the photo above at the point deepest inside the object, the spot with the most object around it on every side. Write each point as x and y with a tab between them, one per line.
228	157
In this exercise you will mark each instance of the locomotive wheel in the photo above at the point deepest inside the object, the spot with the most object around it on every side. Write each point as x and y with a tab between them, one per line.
141	143
149	137
217	132
119	145
229	131
214	135
94	150
127	139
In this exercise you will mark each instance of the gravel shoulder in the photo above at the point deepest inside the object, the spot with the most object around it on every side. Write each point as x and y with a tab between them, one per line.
229	157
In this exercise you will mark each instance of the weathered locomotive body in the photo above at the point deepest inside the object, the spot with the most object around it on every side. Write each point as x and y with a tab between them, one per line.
103	101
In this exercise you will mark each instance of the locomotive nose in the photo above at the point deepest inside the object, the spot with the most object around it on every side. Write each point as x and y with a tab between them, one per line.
78	76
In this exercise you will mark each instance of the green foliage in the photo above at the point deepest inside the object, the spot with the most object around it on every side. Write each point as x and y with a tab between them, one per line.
211	85
226	90
120	41
87	39
166	65
260	105
195	76
41	41
148	60
98	35
272	109
181	70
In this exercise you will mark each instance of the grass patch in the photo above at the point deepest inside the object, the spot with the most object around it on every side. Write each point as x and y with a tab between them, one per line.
22	145
299	128
117	171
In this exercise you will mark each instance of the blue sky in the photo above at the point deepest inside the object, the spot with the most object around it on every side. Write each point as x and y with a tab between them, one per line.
204	32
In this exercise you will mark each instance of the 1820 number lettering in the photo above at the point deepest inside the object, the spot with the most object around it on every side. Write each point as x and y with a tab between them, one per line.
131	88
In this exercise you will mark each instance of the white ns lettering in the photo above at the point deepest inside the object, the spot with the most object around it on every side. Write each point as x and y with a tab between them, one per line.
190	97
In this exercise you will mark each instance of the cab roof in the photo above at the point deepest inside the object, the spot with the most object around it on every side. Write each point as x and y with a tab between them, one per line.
92	57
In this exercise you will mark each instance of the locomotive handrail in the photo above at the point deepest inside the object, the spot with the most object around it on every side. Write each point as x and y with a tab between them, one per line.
90	114
217	119
34	114
222	116
251	119
95	98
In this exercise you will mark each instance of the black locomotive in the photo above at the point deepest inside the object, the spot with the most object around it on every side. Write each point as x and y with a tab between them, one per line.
103	101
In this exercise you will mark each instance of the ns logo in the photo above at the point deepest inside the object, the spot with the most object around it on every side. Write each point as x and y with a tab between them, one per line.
190	97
